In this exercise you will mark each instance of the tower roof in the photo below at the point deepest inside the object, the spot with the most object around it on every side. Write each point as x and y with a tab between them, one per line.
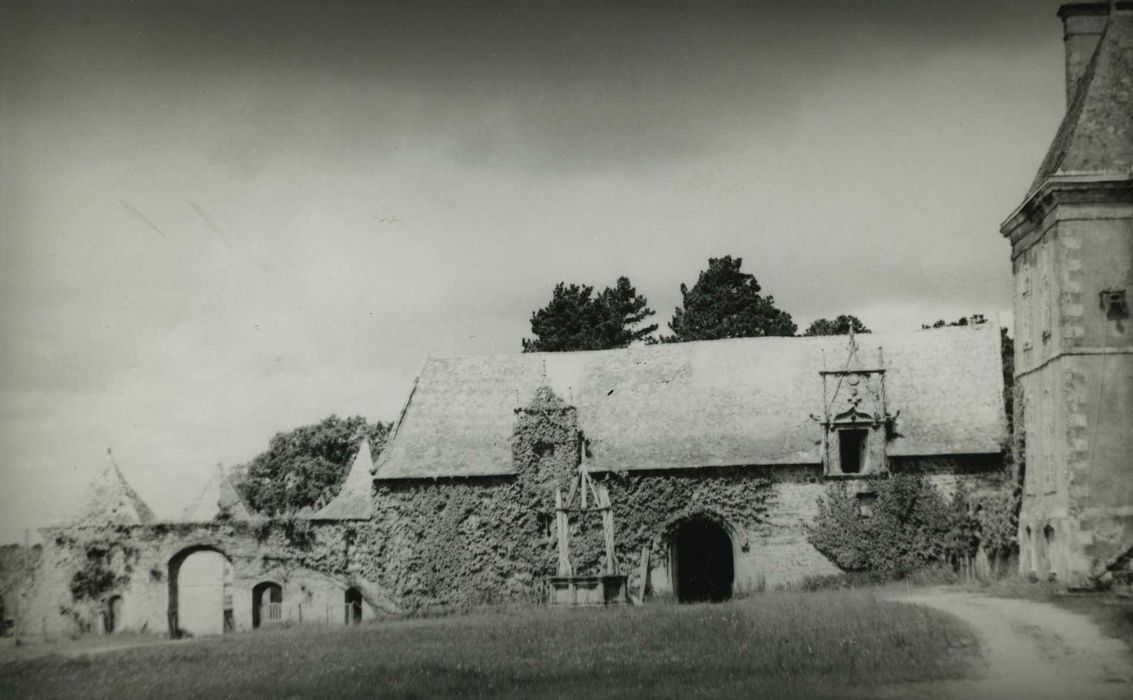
218	499
355	500
1096	135
111	501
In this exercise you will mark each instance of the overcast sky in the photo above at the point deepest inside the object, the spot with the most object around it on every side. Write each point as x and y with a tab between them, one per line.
223	220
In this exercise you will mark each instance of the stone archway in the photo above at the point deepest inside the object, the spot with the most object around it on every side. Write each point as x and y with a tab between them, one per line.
702	558
267	603
200	592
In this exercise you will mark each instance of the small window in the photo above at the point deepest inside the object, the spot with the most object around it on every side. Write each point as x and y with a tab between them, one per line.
852	450
865	504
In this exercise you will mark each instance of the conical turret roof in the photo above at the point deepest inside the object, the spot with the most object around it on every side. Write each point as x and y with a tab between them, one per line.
1096	135
355	500
110	500
218	499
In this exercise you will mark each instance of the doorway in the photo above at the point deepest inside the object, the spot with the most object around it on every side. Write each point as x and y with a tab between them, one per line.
703	566
353	613
267	603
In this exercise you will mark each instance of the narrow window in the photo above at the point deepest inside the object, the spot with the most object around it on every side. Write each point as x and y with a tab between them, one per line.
865	504
852	450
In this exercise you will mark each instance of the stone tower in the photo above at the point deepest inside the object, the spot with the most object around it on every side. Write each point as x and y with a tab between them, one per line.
1072	258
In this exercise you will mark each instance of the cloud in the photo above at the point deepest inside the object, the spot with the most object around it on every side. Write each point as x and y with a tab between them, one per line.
198	253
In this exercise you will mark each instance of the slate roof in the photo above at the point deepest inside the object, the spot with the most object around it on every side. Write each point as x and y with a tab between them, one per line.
720	403
218	497
109	500
354	501
1096	135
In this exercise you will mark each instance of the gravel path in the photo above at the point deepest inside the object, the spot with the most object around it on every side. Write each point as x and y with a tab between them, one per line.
1032	651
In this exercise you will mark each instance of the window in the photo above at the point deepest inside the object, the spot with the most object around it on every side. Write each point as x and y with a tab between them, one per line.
865	504
852	450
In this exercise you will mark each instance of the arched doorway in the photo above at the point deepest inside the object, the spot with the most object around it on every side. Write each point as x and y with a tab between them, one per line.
112	616
267	603
200	592
353	606
703	567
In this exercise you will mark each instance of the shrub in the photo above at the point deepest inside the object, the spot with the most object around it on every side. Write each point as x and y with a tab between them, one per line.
911	526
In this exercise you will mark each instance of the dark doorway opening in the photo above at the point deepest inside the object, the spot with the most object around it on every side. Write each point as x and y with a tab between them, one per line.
113	614
267	603
353	606
703	569
851	445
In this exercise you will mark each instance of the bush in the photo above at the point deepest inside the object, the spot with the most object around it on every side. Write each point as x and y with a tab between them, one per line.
911	526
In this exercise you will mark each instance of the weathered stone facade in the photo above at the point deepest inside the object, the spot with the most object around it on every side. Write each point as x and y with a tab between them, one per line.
420	543
1072	258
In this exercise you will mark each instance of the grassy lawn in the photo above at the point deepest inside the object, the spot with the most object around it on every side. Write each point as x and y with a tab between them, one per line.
777	644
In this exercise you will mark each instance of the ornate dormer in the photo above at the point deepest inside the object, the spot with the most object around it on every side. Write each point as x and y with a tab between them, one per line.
855	423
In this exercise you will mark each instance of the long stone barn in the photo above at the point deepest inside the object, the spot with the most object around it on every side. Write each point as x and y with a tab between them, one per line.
714	456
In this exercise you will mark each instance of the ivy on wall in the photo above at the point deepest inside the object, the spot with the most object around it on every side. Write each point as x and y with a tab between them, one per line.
461	542
108	566
910	526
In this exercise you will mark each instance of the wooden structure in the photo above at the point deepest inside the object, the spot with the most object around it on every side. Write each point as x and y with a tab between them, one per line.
567	588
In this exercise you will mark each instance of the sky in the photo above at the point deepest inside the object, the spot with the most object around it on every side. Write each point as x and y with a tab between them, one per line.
223	220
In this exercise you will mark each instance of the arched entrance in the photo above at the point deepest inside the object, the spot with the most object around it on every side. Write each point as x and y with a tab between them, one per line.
267	603
703	567
112	616
353	606
200	592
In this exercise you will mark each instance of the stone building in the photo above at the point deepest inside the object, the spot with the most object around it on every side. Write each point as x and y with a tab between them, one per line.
725	444
1072	257
714	455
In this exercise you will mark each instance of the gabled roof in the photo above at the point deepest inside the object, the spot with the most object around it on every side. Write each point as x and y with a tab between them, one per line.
219	498
1096	135
355	500
109	500
720	403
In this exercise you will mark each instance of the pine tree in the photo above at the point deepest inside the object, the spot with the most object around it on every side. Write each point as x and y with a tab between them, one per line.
726	303
575	319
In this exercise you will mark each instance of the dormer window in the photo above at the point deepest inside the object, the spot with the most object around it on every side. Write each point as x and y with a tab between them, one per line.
855	445
856	424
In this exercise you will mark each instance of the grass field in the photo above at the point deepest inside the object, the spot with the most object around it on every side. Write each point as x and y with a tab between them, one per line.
775	645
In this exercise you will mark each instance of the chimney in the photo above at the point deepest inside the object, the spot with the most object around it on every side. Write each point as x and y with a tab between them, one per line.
1082	25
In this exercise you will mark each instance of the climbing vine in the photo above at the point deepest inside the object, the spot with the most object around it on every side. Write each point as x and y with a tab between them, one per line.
108	565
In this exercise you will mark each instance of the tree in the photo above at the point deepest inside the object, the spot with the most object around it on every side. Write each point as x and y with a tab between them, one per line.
973	320
305	468
839	326
574	319
911	526
726	303
624	310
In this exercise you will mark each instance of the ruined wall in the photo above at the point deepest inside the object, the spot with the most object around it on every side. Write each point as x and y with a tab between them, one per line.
82	569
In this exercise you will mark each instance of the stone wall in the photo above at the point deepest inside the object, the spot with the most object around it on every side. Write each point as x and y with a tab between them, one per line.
443	544
83	569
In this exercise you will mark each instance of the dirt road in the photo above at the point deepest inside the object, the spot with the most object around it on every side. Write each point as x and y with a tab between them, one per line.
1032	651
